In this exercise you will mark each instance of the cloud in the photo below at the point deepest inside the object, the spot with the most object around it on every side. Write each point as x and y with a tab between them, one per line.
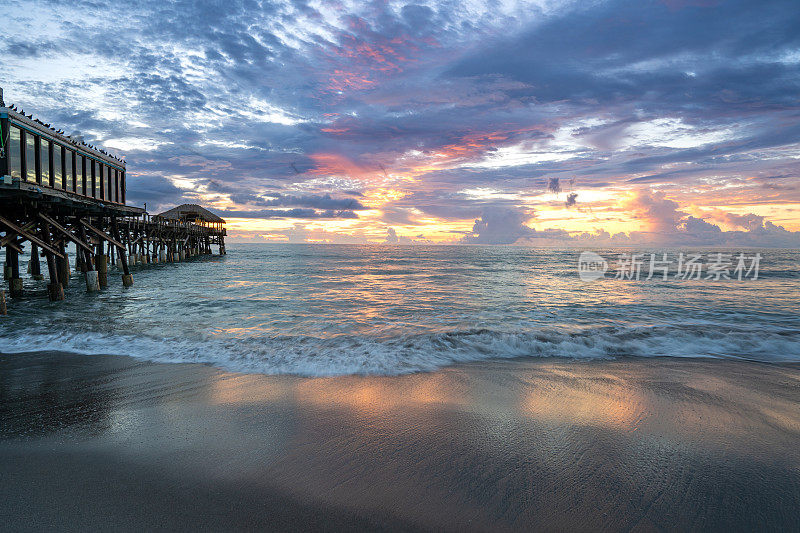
499	225
655	210
750	221
156	191
667	224
286	213
572	199
324	201
391	236
284	109
663	220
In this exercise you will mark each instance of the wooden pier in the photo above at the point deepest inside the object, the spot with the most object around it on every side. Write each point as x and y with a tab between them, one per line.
56	190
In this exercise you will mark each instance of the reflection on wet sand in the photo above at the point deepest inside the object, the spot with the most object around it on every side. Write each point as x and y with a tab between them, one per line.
602	401
497	445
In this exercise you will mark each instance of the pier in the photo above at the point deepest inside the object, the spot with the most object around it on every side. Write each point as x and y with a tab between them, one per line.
56	190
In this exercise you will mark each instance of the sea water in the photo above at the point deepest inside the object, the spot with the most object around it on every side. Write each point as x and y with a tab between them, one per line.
320	310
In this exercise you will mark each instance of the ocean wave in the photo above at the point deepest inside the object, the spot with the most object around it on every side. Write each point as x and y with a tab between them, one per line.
350	354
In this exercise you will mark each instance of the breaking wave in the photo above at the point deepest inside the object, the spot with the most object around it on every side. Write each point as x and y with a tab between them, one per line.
349	354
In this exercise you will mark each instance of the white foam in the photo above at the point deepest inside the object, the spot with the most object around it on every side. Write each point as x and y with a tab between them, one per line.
341	355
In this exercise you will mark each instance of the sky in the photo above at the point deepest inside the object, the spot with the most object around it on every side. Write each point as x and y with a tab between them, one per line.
541	122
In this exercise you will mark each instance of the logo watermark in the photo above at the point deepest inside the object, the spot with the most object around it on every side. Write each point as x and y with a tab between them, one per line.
715	266
591	266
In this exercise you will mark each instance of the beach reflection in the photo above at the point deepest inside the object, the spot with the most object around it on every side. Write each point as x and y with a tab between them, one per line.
247	389
517	442
503	404
376	396
560	396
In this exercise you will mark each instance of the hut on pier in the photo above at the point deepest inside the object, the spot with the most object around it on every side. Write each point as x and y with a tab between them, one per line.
195	214
198	217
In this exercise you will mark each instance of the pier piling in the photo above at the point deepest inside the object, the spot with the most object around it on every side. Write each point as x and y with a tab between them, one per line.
63	266
15	282
35	266
101	262
54	289
127	278
92	283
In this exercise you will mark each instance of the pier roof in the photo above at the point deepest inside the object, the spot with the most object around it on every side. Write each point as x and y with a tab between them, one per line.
185	211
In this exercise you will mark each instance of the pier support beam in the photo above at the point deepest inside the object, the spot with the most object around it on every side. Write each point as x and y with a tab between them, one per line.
90	274
15	287
63	266
127	277
92	283
101	262
35	265
54	289
7	264
3	309
15	282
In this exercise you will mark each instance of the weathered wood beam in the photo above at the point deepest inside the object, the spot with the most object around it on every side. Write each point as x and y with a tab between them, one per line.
33	238
13	235
68	234
127	279
14	246
102	234
88	254
54	289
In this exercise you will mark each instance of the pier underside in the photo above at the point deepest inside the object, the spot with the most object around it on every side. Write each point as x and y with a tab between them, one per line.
49	220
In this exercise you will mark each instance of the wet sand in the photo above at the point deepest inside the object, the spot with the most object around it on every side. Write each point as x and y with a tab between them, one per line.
640	444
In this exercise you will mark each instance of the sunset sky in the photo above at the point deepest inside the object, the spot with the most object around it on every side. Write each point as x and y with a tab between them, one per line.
542	123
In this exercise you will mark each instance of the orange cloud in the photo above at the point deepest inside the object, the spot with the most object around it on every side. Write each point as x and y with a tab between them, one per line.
338	165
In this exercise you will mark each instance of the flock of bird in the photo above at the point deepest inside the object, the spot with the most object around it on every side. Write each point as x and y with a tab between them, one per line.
61	132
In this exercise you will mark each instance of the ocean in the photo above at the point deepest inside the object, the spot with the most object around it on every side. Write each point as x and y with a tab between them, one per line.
326	310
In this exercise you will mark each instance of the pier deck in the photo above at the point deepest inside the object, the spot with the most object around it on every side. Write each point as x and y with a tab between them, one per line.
55	190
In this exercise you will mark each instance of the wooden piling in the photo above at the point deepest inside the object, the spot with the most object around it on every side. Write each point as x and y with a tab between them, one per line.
36	268
54	289
7	264
63	266
101	264
3	308
127	278
89	273
15	282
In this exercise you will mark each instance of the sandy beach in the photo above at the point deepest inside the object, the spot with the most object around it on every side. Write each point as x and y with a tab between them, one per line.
639	444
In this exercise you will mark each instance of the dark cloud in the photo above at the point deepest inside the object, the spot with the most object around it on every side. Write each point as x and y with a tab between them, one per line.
499	225
324	201
700	58
156	191
572	199
287	213
25	49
